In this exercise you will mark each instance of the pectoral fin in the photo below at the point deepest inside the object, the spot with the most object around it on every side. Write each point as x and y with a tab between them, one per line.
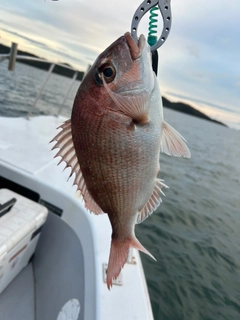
135	106
172	143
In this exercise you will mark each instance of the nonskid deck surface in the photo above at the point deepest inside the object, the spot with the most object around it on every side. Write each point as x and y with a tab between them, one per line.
55	276
17	300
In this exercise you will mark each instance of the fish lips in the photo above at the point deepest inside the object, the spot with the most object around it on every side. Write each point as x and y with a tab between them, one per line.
135	48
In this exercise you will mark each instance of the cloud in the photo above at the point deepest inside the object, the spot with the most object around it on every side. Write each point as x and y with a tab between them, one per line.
193	51
198	101
67	32
29	39
199	59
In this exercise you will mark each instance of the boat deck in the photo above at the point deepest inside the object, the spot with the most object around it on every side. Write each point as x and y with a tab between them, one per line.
24	147
57	263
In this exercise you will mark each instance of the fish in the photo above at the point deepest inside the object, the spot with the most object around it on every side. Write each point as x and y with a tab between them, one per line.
113	140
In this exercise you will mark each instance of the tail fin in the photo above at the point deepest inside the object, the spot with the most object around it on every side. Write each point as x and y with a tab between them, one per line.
118	256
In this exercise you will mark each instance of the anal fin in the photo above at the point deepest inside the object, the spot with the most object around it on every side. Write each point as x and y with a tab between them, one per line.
154	201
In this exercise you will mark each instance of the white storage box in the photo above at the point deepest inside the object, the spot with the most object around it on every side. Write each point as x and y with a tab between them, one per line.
19	233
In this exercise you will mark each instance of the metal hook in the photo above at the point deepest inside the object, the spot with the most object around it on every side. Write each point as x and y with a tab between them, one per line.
164	7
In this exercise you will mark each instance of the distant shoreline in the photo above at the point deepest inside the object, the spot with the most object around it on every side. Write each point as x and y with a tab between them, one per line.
185	108
42	65
177	106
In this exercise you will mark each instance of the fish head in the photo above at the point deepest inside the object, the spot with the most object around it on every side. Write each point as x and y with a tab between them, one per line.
125	65
124	68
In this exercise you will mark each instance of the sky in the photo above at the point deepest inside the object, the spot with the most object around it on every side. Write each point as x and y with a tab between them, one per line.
198	64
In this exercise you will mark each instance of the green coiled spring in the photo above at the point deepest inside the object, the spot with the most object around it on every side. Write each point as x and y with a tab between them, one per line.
152	38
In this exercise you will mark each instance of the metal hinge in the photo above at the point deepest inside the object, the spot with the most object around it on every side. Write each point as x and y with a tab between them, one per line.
118	281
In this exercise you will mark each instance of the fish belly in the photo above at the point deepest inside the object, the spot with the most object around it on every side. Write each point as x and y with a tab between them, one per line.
119	160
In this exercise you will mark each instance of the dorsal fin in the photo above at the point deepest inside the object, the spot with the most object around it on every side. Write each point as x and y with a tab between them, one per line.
67	153
172	143
154	201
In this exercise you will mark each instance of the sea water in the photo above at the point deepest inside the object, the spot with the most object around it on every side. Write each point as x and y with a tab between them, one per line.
195	233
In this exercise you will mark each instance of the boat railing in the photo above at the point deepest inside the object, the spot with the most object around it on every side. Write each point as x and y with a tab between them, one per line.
13	57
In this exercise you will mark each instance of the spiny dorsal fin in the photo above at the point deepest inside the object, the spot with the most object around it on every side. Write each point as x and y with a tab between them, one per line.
68	155
154	201
172	143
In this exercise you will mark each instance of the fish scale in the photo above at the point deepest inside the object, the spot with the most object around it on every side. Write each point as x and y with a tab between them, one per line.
117	131
113	164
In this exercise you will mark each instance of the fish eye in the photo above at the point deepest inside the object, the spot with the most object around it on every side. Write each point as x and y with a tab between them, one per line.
108	71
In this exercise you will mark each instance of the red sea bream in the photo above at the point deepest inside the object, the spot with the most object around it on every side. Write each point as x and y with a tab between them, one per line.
113	141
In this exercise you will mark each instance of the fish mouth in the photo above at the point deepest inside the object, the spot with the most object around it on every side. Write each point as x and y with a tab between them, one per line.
135	48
